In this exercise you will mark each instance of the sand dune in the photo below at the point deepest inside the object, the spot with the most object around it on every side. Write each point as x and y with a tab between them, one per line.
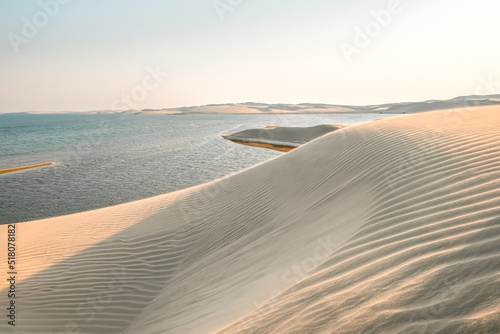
461	102
386	227
282	136
321	108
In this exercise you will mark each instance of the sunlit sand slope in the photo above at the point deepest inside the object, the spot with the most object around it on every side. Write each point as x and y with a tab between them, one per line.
386	227
426	257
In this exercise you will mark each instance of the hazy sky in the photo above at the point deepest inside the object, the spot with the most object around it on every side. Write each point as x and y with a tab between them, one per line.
95	54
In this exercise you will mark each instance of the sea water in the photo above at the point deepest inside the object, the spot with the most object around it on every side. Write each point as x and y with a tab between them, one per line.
104	160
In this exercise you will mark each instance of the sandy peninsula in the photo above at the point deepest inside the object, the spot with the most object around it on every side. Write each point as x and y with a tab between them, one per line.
385	227
281	138
18	169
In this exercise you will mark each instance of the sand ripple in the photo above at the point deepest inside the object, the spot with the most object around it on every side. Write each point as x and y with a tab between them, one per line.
387	227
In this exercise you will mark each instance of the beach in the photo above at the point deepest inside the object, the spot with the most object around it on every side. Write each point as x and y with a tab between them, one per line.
390	226
5	171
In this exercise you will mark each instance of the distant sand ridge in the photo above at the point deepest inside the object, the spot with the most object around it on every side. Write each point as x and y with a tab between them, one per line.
385	227
460	102
18	169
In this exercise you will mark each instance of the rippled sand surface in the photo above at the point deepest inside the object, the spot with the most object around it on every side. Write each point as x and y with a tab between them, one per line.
386	227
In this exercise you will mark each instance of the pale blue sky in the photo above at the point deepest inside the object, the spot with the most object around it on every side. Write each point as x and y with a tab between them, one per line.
93	52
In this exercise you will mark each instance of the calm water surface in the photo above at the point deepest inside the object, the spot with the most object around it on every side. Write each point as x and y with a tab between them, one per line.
103	160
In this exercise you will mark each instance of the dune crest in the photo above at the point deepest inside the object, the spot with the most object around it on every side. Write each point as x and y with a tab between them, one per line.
461	102
390	226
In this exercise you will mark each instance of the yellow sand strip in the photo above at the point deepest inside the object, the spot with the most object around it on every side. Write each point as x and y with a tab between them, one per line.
268	146
23	168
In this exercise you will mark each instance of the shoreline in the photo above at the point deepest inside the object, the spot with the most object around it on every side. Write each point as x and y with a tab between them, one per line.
256	108
281	138
203	114
18	169
280	148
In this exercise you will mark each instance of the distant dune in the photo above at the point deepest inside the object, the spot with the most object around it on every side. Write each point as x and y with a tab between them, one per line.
318	108
390	226
472	101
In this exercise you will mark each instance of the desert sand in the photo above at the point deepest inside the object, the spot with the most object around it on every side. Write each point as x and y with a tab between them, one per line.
385	227
322	108
281	138
461	102
279	148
